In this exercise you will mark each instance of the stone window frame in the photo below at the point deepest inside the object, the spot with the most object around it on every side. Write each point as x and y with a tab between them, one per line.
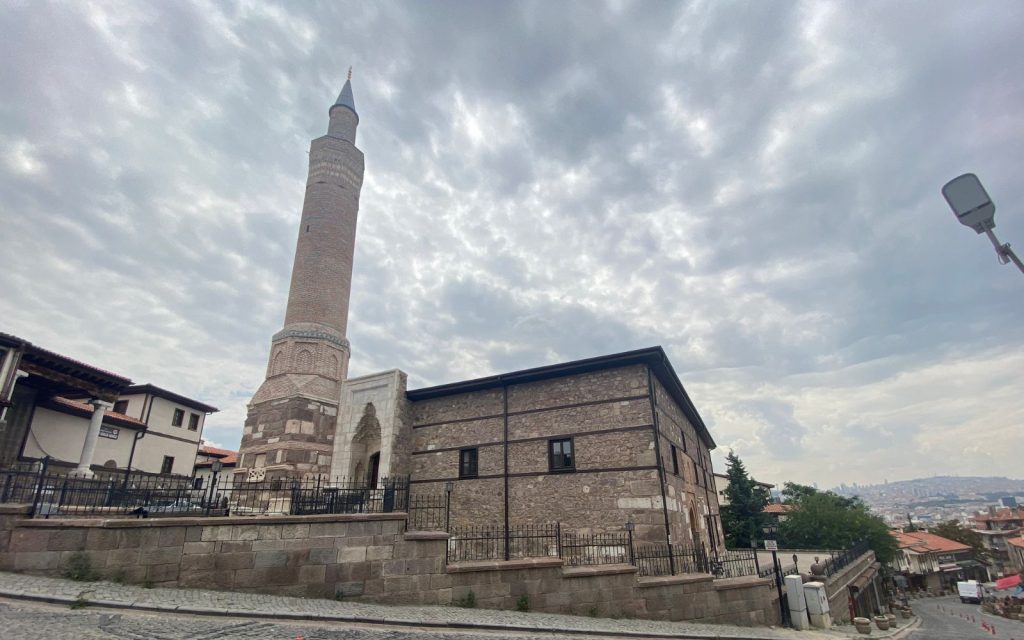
675	459
562	467
178	418
193	422
468	462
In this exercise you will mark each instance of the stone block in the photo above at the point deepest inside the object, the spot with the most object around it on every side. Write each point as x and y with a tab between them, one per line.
277	558
245	532
294	531
196	563
312	574
234	546
129	538
160	555
193	534
208	579
36	560
213	533
268	532
123	558
101	539
349	589
379	552
67	540
172	536
26	540
267	576
150	538
192	548
232	561
323	556
352	554
329	529
162	573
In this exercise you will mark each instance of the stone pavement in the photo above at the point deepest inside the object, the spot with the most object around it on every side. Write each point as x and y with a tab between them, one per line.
260	608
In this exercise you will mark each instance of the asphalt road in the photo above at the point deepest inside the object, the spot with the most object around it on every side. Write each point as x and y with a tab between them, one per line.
949	619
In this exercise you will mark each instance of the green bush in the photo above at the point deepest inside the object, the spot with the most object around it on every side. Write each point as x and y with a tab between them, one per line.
523	603
79	568
467	601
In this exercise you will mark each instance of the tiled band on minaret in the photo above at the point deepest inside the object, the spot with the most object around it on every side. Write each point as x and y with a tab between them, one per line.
289	431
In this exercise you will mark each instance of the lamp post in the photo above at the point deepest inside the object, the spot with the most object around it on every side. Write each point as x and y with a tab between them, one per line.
449	486
629	531
215	466
973	208
770	543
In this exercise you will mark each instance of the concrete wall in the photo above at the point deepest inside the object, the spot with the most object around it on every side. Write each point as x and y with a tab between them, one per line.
366	558
61	435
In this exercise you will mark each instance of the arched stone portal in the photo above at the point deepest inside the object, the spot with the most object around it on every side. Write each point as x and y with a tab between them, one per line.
365	448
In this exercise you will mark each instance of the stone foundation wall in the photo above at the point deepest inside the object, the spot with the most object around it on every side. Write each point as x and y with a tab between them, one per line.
366	558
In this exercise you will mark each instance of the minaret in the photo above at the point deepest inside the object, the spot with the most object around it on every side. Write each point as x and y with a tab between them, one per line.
289	430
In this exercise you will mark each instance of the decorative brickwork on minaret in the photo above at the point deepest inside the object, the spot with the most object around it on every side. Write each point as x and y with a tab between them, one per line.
289	431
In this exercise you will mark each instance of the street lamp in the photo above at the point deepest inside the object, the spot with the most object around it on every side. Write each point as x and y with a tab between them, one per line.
629	531
975	209
215	466
449	486
771	530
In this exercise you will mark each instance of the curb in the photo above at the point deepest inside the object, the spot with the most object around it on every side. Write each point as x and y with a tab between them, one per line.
320	617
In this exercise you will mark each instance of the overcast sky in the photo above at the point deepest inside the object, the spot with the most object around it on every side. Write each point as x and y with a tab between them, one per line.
753	186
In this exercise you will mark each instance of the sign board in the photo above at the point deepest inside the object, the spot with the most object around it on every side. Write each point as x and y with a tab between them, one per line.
771	545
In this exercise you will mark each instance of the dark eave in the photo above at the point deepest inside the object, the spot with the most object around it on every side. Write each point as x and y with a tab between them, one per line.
653	357
169	395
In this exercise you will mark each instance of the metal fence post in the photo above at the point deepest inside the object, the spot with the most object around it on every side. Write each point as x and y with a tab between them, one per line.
39	484
558	538
632	551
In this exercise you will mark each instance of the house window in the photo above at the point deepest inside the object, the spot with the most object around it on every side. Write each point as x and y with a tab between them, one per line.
167	465
193	422
121	406
467	463
197	482
560	456
682	434
675	460
179	417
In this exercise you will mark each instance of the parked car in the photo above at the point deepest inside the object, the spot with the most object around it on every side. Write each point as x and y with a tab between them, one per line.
970	591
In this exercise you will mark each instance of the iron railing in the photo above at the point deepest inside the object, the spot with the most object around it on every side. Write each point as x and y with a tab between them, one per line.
734	563
470	544
664	559
597	548
837	562
428	513
53	492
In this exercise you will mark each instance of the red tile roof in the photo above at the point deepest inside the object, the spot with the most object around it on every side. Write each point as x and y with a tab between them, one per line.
778	508
226	456
1004	514
1017	542
924	542
86	407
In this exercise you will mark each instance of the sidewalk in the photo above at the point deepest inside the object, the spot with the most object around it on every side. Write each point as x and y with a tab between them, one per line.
252	605
282	608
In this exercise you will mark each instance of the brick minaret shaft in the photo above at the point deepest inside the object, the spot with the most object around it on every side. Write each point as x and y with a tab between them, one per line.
290	426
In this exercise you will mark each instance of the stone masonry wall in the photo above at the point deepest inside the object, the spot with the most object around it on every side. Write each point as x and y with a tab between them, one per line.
365	558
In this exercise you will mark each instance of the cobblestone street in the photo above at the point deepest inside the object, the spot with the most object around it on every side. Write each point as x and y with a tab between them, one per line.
249	615
949	619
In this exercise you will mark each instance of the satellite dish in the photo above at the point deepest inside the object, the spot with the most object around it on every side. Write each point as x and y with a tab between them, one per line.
970	202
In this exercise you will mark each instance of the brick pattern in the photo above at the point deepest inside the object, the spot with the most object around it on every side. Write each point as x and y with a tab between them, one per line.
295	435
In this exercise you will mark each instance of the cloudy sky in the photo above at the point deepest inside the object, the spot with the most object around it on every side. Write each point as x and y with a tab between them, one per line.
753	186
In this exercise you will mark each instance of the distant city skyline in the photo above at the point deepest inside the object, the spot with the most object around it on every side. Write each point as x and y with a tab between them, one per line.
754	187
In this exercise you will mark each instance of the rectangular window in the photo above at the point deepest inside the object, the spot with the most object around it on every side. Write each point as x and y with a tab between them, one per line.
167	465
121	406
675	460
193	422
560	457
109	432
197	482
179	417
682	434
467	463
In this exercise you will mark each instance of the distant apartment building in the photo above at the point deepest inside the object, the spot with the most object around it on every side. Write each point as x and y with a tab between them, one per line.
80	417
997	527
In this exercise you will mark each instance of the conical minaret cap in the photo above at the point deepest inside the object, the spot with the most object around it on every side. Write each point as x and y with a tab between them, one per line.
345	98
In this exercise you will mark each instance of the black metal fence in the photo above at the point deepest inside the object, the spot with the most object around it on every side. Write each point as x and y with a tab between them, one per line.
469	544
597	548
53	492
665	559
837	562
428	513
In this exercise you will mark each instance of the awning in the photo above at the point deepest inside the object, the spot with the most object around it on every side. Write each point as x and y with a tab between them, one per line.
865	579
949	567
1007	583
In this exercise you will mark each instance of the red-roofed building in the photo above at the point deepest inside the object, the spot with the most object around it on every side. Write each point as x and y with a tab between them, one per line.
1016	552
206	464
933	563
83	418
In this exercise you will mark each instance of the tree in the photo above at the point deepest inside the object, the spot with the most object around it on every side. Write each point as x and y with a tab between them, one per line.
951	530
824	520
743	516
911	527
